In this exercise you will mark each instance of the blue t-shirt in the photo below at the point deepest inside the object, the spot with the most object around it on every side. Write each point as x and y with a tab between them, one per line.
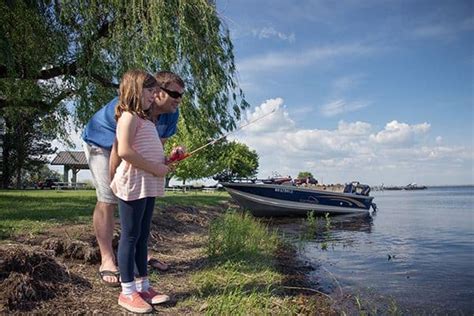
101	128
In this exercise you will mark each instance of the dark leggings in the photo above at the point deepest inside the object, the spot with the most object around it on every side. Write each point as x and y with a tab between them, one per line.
135	220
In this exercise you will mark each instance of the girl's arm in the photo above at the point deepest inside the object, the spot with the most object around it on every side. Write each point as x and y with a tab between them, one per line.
126	131
114	160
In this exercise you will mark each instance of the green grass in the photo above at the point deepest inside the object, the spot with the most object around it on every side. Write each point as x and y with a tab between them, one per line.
35	211
194	198
241	278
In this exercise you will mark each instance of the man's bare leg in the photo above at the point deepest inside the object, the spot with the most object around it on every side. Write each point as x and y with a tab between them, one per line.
104	223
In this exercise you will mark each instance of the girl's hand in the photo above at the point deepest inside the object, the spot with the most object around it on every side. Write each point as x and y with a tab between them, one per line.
172	165
161	170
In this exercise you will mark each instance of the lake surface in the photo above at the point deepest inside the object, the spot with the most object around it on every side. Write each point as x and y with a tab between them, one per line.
416	251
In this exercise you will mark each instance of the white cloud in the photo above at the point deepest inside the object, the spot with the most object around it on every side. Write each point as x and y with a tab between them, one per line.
276	121
302	58
354	129
396	133
345	83
270	32
341	106
353	150
443	30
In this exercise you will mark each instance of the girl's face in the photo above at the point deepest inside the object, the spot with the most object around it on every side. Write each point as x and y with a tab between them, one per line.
148	96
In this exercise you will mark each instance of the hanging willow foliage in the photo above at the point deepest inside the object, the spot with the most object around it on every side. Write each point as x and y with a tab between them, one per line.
76	50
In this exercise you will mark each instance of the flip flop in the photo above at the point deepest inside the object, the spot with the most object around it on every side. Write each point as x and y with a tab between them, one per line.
157	264
115	274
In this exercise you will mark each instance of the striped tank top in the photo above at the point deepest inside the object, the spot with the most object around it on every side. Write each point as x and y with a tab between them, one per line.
131	183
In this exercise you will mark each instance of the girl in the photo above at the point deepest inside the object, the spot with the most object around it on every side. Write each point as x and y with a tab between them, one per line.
138	180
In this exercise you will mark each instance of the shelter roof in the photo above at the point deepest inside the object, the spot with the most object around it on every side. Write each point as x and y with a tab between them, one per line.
76	159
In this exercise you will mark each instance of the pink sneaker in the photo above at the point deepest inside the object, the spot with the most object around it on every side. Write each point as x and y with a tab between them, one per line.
134	303
153	297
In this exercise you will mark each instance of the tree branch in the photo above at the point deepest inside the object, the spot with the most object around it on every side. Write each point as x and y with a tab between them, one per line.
104	82
38	104
50	73
72	67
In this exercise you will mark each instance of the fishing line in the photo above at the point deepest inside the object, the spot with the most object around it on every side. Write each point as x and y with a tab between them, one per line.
187	155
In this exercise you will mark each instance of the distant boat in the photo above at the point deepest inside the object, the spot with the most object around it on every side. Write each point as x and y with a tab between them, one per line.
392	188
411	186
414	186
267	198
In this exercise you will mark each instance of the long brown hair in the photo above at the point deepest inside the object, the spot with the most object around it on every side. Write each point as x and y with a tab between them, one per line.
130	93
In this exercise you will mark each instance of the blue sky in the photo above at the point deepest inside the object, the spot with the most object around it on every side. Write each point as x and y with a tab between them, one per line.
376	91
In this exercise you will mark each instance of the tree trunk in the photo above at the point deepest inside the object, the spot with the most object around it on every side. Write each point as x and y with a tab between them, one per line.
7	150
5	165
18	178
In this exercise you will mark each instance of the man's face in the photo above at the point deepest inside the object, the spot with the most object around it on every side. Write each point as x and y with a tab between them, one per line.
168	99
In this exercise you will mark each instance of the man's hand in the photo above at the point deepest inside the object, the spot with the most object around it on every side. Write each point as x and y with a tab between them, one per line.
178	153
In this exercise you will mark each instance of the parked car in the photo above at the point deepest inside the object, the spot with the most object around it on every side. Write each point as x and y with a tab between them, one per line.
49	183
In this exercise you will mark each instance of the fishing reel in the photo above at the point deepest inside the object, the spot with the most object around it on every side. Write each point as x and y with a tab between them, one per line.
177	154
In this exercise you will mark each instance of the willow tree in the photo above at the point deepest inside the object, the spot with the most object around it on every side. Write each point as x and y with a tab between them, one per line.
65	58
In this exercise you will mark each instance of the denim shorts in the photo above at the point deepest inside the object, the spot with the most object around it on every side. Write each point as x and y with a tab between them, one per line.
98	160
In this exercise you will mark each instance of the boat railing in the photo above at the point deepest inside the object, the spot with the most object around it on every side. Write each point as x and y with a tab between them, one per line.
353	187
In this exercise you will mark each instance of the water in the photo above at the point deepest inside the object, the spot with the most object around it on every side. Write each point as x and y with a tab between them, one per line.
416	251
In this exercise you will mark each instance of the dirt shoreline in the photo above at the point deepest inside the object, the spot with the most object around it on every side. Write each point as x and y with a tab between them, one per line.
57	271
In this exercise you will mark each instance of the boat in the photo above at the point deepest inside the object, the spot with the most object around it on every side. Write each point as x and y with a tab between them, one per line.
281	198
414	186
408	187
392	188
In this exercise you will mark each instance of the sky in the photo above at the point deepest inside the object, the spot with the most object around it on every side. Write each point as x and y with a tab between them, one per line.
374	91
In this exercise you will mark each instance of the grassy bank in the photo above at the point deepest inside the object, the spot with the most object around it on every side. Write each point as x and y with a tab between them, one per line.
34	211
223	261
243	275
37	210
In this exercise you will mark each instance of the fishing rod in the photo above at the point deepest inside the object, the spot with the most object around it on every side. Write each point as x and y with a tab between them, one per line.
180	157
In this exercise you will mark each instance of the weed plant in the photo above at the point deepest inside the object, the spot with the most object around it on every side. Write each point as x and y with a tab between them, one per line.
242	278
239	236
316	228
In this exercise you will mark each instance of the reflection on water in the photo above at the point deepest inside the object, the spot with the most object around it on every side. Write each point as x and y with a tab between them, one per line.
355	223
417	250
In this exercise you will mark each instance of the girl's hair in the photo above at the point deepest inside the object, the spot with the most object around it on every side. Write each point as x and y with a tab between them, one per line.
131	91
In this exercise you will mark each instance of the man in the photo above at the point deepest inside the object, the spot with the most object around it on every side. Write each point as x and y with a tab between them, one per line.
99	137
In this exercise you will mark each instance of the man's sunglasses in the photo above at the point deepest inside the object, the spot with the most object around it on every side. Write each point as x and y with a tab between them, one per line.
173	94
